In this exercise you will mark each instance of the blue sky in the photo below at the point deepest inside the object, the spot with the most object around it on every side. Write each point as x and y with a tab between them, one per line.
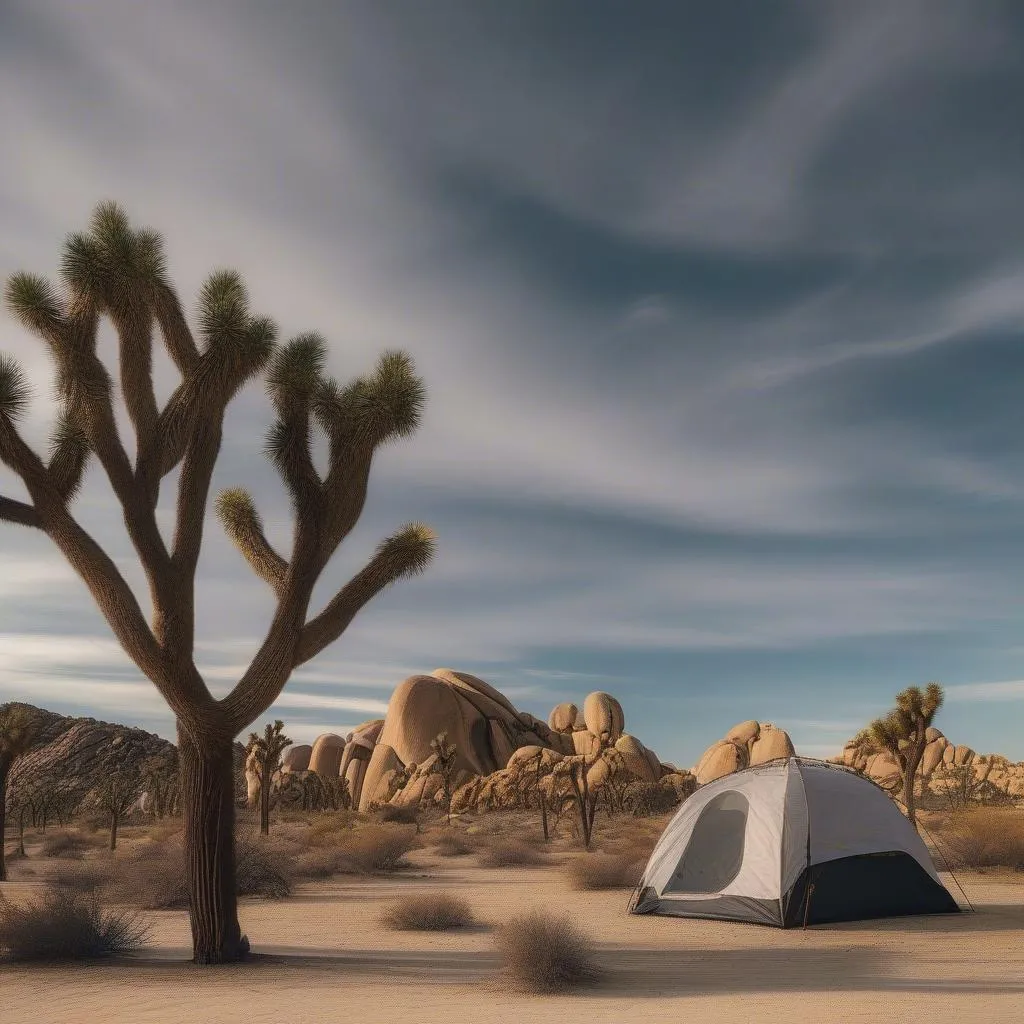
719	305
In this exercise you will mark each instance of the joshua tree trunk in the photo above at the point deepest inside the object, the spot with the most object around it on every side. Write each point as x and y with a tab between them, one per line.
113	830
21	831
265	802
3	819
208	800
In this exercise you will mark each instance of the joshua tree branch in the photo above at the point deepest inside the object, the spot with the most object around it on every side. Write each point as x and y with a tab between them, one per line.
186	694
243	525
12	511
405	554
176	334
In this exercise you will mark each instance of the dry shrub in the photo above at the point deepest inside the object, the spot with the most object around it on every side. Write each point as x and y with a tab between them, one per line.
452	845
377	848
511	854
70	845
984	837
319	863
84	878
330	825
604	871
429	912
261	870
152	877
399	815
542	953
64	925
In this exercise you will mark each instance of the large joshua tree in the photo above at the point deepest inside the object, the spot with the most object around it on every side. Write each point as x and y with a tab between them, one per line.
902	733
19	730
118	272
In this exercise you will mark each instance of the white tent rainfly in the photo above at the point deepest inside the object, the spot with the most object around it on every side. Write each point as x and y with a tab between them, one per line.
788	843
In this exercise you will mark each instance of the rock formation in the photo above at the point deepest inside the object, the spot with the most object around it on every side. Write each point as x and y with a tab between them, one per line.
747	744
390	760
946	770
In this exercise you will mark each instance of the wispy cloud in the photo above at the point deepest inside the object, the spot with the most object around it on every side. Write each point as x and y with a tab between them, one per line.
1010	690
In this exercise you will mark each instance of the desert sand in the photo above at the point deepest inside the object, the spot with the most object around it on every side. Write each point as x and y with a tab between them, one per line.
323	955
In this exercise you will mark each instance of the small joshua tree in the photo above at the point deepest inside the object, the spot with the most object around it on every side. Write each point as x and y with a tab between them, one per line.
19	731
446	758
266	751
119	272
572	774
902	733
116	795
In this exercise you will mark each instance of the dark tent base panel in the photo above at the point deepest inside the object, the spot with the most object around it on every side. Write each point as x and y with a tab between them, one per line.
849	889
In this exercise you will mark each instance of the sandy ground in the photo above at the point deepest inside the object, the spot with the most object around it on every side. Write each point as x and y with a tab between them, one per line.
323	956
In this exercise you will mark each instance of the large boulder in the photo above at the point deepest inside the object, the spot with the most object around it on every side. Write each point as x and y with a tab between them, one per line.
720	759
637	759
603	716
296	758
745	733
771	743
563	718
325	757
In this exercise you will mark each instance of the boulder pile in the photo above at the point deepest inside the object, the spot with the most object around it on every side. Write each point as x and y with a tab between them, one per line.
391	761
745	745
946	769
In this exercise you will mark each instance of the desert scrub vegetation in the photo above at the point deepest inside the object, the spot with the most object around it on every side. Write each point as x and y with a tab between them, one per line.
398	815
543	953
452	845
429	912
604	871
65	925
69	845
376	848
983	837
510	853
89	877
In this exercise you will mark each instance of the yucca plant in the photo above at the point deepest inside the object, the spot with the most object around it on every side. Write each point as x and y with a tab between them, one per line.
19	731
116	271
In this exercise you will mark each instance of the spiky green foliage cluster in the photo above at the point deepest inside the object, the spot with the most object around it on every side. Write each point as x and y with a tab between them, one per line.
269	747
914	711
14	389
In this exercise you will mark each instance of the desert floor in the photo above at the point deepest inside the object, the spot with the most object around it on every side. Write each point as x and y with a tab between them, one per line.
322	955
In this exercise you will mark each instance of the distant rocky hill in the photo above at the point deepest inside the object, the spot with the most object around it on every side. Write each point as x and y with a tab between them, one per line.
73	754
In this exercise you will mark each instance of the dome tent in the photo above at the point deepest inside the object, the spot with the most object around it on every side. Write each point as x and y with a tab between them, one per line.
791	842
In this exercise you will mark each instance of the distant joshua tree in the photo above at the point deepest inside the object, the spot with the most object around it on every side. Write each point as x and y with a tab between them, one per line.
571	773
116	795
446	757
266	751
19	731
902	734
116	271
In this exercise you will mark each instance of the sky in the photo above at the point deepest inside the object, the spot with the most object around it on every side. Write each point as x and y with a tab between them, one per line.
719	307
